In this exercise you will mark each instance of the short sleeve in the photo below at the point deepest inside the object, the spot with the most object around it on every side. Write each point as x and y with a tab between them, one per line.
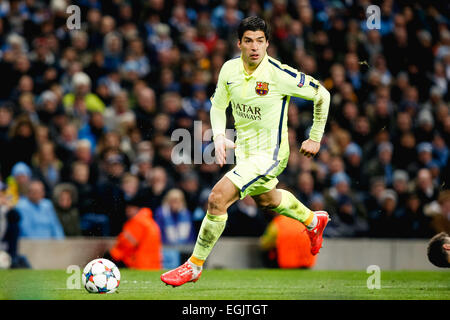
297	84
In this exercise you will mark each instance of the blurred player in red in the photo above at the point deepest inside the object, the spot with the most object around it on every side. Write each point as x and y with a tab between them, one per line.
138	245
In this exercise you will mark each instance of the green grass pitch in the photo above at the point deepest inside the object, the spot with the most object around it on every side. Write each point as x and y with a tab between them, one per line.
250	284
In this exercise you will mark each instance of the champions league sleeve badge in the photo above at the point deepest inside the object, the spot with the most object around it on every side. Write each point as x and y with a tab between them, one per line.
302	80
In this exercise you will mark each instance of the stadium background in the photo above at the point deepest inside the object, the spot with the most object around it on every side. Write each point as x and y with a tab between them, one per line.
149	67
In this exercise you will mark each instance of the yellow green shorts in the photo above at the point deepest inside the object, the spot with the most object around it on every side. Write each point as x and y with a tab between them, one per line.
256	175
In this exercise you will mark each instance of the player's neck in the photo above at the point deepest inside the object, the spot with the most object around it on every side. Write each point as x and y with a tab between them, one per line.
251	68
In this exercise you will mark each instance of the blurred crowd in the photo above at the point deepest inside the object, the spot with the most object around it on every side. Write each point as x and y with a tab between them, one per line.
86	116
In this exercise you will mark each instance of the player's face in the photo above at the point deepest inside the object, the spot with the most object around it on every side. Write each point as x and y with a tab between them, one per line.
446	247
253	47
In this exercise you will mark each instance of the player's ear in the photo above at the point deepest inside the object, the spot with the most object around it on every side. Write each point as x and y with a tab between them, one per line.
239	43
446	246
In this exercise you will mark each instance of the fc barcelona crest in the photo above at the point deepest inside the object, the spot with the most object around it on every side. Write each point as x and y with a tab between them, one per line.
262	88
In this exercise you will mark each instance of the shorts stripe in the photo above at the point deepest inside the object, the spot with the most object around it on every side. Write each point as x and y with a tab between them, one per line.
260	176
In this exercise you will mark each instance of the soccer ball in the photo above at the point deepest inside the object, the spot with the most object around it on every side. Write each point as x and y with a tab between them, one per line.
5	260
101	276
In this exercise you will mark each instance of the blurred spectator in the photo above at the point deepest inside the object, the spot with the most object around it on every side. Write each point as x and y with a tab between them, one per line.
362	131
156	187
6	120
174	219
340	190
317	203
136	60
412	221
67	143
18	181
245	219
96	68
354	166
110	195
425	154
93	130
82	153
347	222
142	167
130	186
10	230
65	199
92	222
112	46
110	142
425	189
48	107
305	187
47	167
287	244
22	143
189	184
81	99
27	107
400	185
440	151
199	101
425	126
145	111
376	188
441	213
139	245
382	166
384	221
118	117
353	71
38	219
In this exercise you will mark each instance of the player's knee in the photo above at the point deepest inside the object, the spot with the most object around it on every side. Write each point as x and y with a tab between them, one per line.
215	200
265	203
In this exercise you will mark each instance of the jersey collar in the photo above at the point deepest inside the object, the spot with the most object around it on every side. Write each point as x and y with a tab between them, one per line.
258	70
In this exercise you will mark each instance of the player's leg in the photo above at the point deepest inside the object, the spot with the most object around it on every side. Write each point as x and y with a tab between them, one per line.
285	203
223	195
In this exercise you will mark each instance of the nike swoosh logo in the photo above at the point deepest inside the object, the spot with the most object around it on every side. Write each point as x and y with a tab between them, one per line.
228	83
236	173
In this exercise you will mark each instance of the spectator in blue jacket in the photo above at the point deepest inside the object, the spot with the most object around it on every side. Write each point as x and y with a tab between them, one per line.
38	216
174	219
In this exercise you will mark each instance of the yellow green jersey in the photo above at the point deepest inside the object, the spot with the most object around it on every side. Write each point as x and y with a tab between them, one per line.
259	103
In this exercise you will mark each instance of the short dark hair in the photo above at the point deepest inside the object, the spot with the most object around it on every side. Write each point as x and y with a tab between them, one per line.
436	252
253	23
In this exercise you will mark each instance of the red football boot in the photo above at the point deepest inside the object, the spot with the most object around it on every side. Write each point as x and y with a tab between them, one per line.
178	276
315	235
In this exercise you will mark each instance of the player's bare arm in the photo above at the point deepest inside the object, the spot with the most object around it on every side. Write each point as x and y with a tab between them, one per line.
221	145
310	148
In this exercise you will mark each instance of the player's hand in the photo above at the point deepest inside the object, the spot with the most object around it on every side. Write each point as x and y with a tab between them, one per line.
221	144
310	148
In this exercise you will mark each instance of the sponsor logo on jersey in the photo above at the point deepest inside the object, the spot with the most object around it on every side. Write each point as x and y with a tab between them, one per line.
246	111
